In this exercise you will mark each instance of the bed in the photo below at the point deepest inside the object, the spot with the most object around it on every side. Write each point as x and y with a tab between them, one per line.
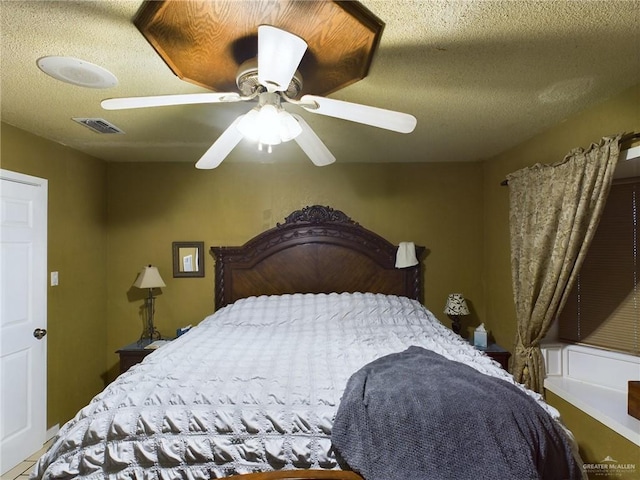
253	391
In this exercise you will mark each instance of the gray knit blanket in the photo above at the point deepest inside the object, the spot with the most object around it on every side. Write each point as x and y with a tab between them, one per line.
417	415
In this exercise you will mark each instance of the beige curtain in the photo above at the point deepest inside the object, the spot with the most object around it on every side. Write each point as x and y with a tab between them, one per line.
554	211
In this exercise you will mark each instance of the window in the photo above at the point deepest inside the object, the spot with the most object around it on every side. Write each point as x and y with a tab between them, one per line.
603	309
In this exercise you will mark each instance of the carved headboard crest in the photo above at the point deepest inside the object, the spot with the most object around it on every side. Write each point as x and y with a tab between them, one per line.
317	214
315	250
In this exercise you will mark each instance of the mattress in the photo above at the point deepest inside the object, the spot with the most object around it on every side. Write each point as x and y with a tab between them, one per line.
254	387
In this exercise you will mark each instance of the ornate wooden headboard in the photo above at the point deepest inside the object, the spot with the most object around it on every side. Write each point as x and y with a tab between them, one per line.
316	250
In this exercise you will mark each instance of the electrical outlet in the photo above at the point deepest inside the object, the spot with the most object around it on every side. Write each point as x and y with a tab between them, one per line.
54	279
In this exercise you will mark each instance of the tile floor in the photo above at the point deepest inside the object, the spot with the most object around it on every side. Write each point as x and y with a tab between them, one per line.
23	469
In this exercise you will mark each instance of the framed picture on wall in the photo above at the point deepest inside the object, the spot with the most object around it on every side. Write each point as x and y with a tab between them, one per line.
188	259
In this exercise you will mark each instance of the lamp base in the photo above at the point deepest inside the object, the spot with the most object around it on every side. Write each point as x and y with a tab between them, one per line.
150	332
455	324
149	336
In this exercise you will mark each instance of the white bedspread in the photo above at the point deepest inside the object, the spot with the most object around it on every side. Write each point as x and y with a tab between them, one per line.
254	387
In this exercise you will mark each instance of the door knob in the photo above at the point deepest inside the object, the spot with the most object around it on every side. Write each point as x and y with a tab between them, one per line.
39	333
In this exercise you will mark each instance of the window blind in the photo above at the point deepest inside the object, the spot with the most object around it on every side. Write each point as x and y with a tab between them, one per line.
603	308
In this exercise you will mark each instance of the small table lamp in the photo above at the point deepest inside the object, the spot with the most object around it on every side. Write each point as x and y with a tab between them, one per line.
149	278
455	307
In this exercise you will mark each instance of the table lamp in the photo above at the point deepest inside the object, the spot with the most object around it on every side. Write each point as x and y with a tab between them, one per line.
149	278
456	306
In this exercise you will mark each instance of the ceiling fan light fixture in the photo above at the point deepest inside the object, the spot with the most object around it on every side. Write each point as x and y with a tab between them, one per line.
261	125
289	126
269	125
248	125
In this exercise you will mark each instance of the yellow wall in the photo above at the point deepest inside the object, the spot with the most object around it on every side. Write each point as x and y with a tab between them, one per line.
77	237
618	114
596	441
152	205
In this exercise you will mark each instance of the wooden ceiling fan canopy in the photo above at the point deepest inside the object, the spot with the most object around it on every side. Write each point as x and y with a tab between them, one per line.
204	42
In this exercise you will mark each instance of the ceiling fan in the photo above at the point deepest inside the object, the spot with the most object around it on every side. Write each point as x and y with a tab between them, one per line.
271	79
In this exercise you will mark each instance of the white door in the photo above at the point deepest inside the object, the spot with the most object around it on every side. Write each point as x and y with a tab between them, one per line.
23	310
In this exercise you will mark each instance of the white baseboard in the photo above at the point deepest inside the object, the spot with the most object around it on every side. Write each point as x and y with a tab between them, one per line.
52	432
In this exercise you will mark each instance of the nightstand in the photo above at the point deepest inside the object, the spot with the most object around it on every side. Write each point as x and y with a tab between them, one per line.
497	353
133	354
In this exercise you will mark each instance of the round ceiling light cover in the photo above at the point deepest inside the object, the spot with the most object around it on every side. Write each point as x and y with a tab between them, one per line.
77	72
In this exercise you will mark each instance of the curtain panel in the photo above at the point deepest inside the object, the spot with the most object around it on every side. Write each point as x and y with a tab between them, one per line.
554	210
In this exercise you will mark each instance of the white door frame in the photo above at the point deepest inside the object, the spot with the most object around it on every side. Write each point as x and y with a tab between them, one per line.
23	292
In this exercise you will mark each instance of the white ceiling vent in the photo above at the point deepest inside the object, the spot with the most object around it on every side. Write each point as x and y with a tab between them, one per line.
99	125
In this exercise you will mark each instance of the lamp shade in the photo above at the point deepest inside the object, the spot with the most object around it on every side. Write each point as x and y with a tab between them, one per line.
456	305
149	277
269	125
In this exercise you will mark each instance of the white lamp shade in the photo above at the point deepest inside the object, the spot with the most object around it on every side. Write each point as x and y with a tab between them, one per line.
456	305
289	126
248	125
149	277
269	125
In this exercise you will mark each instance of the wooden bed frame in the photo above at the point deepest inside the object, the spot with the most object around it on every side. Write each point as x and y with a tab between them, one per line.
316	250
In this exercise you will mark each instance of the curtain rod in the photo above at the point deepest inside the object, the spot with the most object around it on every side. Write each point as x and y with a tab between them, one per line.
626	138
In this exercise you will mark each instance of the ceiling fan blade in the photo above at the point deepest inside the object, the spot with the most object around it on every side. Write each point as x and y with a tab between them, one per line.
279	54
221	147
354	112
166	100
311	144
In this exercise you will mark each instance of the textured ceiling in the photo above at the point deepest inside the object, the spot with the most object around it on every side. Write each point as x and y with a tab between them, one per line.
480	77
